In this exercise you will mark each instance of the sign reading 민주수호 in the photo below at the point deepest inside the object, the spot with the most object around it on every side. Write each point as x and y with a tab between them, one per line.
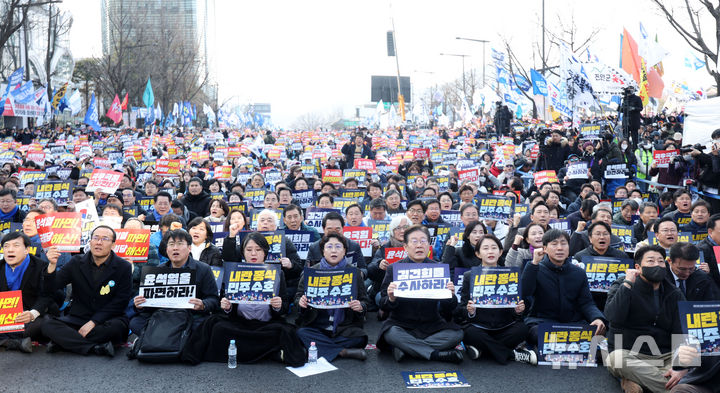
700	320
330	288
495	287
625	233
566	345
577	170
603	271
362	235
60	229
165	287
54	189
247	283
422	280
10	307
132	244
104	181
434	379
495	207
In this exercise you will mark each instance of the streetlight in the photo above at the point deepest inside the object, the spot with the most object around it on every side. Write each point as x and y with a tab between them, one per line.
463	65
483	42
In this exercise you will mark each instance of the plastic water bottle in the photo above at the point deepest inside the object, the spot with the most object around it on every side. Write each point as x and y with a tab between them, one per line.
232	355
312	353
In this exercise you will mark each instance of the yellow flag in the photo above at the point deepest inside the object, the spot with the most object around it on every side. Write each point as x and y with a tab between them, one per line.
643	83
59	95
401	100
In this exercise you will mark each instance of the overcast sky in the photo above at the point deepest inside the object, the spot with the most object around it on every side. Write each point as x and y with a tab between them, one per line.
317	56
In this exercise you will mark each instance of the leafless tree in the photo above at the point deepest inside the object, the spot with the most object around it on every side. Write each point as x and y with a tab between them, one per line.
689	21
515	68
310	121
57	26
13	17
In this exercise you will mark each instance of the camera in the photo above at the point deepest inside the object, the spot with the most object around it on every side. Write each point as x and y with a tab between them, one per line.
696	146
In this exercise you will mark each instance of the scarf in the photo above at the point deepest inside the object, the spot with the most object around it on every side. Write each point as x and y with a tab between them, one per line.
157	215
8	216
338	313
14	276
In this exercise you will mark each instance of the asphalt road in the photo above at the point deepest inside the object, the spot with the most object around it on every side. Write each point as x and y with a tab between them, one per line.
65	372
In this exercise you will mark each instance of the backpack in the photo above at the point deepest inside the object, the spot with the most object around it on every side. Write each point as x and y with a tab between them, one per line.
165	336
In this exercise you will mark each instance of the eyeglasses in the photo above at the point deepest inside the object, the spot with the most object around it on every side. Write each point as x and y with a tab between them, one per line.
668	231
330	247
7	201
415	211
101	239
176	244
402	227
418	242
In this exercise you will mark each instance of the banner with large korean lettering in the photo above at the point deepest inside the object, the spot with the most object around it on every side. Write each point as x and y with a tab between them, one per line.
301	240
699	320
422	280
362	235
495	207
105	181
60	229
663	158
541	177
603	271
132	244
10	307
327	289
566	345
395	254
54	189
166	287
247	283
314	217
434	379
495	287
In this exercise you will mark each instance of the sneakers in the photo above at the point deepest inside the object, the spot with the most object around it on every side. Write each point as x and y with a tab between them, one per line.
106	349
473	353
525	356
451	356
23	345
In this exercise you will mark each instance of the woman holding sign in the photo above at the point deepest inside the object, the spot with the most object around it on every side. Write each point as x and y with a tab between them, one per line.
259	330
493	331
336	331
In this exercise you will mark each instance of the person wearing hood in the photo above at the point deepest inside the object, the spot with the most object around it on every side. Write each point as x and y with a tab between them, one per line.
196	199
335	332
640	304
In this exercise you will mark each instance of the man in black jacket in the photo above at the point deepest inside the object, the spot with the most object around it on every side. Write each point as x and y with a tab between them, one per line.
707	244
642	304
20	271
695	284
102	287
557	289
416	326
196	199
177	244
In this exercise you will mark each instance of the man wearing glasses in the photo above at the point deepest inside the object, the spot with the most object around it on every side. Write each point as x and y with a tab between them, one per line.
177	245
9	210
101	282
694	283
416	327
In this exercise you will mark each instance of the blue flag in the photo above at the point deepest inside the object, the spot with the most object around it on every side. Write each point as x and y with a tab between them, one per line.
15	78
91	116
186	113
149	117
24	93
148	96
539	83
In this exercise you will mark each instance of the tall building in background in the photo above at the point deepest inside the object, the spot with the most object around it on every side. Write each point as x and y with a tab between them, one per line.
194	18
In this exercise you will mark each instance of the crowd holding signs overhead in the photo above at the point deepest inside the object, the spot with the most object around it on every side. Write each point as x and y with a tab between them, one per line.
530	245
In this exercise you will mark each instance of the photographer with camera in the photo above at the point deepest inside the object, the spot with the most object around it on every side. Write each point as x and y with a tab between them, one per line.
708	167
630	110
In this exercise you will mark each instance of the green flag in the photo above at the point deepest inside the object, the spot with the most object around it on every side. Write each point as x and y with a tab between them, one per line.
148	96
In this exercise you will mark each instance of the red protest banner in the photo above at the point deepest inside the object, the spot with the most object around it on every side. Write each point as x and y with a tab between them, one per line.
716	250
100	162
545	176
104	181
169	168
366	164
223	172
362	235
394	254
334	176
470	175
10	307
132	244
60	229
421	154
664	157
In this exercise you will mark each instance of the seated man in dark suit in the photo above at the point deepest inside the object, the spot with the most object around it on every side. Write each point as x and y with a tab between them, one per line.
102	287
21	271
694	283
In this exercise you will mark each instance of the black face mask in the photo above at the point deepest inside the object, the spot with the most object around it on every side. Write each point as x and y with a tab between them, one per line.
653	274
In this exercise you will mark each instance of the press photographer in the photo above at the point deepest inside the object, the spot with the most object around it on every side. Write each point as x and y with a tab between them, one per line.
630	111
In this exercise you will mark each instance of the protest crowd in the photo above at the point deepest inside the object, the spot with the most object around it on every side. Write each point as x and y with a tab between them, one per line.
508	241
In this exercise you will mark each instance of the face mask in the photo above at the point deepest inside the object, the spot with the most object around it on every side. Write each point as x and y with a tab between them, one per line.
647	147
653	273
639	201
624	146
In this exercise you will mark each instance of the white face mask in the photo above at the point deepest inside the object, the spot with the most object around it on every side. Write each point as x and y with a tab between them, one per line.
624	146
